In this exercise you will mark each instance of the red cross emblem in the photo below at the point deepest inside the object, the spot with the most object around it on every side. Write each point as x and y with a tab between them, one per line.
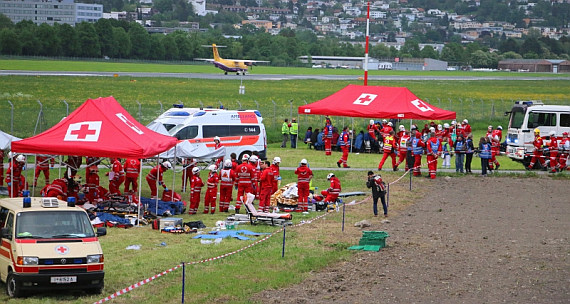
422	106
83	131
365	99
62	249
129	123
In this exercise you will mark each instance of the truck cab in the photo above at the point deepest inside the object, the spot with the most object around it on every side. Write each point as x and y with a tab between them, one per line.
48	244
525	116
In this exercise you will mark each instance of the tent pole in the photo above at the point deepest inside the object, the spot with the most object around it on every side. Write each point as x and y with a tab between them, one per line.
11	167
157	175
352	134
173	172
140	194
34	184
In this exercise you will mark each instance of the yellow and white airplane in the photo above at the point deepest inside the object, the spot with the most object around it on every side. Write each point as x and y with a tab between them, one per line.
230	65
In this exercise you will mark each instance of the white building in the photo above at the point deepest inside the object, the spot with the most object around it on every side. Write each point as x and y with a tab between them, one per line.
51	11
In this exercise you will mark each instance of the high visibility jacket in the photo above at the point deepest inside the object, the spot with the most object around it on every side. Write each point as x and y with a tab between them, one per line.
434	145
328	131
417	146
285	128
227	177
389	143
485	150
404	143
344	139
294	128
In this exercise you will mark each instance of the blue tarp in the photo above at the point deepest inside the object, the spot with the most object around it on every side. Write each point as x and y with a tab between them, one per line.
172	207
106	217
228	233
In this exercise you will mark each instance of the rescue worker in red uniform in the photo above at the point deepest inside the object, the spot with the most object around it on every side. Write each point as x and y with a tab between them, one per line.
331	194
385	131
266	185
465	128
187	166
227	181
304	176
439	132
211	190
401	131
92	183
390	148
328	135
537	154
496	136
14	175
372	129
403	149
154	177
1	167
244	177
553	149
253	161
434	148
196	185
56	189
276	177
43	163
116	177
344	146
564	149
218	145
417	150
132	171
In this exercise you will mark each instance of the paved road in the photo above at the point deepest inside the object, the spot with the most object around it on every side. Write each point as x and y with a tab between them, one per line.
221	76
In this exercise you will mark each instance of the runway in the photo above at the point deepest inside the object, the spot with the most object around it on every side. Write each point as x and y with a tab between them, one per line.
271	77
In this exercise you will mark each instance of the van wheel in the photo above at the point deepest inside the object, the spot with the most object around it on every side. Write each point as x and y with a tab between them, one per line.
244	152
13	288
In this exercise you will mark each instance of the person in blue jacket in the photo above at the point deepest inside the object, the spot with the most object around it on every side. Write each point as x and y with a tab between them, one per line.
485	154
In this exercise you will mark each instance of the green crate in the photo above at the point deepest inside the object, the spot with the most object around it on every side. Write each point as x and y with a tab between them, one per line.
374	238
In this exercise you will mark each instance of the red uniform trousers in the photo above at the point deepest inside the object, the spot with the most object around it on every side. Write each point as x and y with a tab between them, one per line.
37	174
152	185
562	160
329	197
536	155
210	200
344	157
303	192
186	177
274	186
131	181
242	190
417	164
264	199
14	188
225	197
493	160
328	142
401	158
553	162
385	156
114	185
432	165
194	201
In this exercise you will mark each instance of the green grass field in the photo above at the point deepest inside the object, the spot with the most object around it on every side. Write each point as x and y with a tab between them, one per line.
308	248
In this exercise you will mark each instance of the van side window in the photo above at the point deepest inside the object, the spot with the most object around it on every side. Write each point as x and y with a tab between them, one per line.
565	120
9	222
3	216
536	120
228	130
188	132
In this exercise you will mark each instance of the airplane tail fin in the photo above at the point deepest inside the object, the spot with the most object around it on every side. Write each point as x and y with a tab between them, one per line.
215	51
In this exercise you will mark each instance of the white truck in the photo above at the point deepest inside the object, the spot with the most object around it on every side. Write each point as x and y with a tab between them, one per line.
525	116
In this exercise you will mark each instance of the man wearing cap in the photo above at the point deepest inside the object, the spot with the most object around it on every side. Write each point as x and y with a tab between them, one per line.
294	131
378	192
304	176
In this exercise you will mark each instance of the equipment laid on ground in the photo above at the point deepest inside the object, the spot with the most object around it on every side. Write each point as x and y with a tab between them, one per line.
269	218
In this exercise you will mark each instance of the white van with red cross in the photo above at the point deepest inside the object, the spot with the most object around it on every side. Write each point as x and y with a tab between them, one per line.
48	244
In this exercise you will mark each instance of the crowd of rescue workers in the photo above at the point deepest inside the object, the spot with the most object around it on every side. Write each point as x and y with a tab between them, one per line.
252	175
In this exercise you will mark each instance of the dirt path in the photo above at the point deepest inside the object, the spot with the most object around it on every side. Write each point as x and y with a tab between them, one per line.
462	243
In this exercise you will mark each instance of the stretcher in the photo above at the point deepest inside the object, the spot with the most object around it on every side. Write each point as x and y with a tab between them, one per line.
269	218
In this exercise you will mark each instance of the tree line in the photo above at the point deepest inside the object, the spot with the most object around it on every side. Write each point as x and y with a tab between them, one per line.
129	40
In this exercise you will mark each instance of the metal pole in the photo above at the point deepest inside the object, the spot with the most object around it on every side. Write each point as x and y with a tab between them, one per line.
256	103
240	107
66	108
140	109
343	212
290	108
367	39
388	195
221	104
274	106
283	250
410	172
183	279
40	115
161	108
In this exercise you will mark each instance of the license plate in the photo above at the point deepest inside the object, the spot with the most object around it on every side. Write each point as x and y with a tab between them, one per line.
63	280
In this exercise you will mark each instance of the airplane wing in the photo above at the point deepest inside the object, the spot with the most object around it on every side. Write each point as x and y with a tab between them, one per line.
204	59
247	61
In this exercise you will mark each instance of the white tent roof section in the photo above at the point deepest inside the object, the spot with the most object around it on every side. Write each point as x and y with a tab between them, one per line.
199	151
6	139
158	128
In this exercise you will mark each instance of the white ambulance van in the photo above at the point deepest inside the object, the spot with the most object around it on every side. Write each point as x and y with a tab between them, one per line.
525	116
240	131
48	245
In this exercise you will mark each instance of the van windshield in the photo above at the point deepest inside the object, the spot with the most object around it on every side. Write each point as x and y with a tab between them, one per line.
517	117
53	224
184	132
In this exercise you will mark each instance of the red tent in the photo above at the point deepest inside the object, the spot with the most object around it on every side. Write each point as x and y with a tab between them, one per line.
376	102
99	127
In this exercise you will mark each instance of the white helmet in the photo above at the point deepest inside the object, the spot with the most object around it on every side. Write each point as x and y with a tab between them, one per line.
227	163
303	161
453	123
167	165
217	138
432	129
331	175
212	167
276	160
551	133
499	128
384	121
446	125
390	123
245	157
402	128
10	155
253	159
439	127
371	121
466	121
21	158
490	127
195	170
